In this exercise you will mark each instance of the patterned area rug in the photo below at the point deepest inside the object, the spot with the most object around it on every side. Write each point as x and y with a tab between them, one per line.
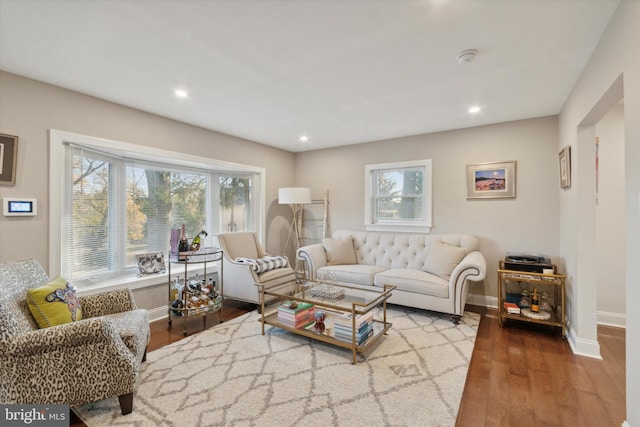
231	375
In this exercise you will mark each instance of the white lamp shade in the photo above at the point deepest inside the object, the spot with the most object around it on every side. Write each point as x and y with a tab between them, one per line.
294	196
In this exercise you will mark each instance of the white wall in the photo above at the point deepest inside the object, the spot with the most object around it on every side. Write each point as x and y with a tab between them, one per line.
528	223
613	72
610	219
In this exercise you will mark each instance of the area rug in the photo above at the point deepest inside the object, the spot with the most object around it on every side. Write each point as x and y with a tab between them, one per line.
231	375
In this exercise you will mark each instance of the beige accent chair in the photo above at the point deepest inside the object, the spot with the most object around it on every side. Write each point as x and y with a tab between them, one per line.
240	281
75	363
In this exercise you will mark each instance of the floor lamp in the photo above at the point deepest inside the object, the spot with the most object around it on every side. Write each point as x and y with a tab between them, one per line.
294	197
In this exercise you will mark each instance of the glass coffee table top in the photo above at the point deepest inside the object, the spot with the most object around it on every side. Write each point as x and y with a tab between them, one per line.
339	297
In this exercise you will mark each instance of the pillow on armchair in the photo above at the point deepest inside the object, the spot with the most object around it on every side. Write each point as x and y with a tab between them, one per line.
54	304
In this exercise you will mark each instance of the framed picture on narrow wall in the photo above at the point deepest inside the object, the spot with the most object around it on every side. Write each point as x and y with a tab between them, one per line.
8	159
565	167
491	180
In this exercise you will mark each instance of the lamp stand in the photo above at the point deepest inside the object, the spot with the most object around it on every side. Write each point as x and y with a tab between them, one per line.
296	226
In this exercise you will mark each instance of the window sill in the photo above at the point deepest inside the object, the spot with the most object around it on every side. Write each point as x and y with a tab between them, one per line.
398	228
139	282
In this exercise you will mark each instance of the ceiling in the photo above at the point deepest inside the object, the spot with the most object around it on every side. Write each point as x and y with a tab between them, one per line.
340	72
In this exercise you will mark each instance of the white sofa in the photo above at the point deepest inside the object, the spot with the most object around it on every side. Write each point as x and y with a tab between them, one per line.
430	271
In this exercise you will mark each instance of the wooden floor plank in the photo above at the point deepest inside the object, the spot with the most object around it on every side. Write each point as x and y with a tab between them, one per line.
542	392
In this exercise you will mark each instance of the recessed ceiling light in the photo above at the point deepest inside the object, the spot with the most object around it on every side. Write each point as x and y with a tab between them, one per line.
474	110
180	93
303	138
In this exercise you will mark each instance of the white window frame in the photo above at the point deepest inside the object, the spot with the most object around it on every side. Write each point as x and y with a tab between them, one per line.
57	141
420	225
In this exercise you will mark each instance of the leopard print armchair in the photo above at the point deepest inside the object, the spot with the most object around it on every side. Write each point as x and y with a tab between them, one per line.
76	363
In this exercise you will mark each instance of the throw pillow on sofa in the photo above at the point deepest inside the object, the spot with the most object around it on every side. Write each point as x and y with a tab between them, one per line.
54	304
339	251
443	258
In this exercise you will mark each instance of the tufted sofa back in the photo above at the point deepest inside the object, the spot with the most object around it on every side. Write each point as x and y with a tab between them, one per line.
401	250
16	278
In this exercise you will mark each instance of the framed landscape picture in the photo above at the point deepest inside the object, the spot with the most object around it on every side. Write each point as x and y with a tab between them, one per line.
491	180
8	159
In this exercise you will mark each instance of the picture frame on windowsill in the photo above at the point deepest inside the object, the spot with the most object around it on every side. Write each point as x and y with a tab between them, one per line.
150	263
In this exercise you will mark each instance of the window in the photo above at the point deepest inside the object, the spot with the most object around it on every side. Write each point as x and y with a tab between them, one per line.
116	202
398	196
236	203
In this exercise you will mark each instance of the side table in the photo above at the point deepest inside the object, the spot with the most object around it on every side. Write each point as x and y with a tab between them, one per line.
555	282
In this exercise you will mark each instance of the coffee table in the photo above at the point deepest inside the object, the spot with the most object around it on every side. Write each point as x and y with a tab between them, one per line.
352	304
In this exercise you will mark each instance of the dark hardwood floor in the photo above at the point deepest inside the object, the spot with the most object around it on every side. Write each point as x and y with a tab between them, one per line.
520	374
527	375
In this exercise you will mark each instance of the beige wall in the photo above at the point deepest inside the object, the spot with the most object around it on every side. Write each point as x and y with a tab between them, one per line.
29	109
612	73
528	223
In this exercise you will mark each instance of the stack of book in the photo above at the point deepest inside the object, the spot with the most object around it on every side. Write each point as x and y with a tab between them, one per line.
296	314
343	327
511	308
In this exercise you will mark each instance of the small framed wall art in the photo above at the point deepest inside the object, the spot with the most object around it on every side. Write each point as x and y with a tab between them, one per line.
491	180
565	167
8	159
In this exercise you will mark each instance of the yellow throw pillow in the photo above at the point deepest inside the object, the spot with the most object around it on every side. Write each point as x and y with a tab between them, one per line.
54	304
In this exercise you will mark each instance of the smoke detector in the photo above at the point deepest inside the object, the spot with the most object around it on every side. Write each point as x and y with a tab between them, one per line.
466	56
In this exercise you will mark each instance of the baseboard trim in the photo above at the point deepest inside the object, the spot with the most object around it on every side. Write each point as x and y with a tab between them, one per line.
482	300
583	347
158	313
618	320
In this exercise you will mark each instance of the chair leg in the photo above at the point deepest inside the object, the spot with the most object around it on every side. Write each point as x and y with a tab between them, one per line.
144	356
126	403
455	318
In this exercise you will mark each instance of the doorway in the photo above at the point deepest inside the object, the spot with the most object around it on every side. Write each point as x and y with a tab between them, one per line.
601	268
610	218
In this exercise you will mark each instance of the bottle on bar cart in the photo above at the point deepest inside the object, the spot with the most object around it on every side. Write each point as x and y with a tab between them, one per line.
183	246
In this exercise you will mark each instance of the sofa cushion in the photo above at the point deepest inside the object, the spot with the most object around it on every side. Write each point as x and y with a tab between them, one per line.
356	273
275	274
443	258
339	251
417	281
54	304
